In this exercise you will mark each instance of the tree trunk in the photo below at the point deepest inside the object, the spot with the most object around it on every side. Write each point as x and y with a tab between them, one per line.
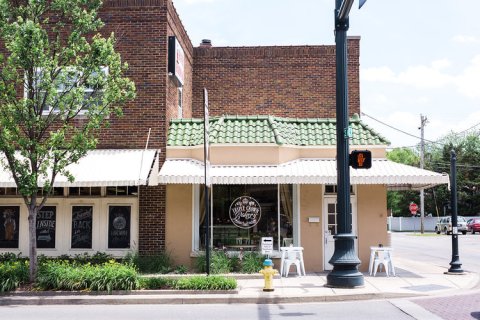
32	227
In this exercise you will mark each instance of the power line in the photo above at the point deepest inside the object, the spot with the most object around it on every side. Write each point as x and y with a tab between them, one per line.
394	128
437	142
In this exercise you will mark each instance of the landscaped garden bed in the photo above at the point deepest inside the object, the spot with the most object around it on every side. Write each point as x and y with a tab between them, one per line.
101	272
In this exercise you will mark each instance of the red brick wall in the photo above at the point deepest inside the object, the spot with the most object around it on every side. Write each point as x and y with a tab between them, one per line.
151	219
175	28
296	81
142	28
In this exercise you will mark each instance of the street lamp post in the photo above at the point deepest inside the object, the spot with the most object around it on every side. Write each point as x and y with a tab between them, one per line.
345	262
455	264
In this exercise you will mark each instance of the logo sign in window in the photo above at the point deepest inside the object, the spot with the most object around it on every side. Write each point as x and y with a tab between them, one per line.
245	212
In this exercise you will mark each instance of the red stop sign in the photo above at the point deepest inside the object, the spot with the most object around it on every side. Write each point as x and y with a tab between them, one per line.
413	208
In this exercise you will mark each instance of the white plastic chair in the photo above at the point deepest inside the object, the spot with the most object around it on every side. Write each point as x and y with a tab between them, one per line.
292	258
382	258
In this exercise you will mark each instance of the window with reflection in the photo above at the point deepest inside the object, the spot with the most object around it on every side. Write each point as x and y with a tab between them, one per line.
243	214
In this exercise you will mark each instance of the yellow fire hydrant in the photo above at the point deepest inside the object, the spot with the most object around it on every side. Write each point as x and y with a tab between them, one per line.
268	273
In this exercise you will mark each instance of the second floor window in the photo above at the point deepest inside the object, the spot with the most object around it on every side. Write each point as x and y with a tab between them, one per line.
180	103
68	90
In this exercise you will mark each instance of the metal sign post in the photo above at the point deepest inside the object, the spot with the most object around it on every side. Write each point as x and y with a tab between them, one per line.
206	154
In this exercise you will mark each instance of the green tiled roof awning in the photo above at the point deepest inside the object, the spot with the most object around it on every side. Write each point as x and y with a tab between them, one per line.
268	130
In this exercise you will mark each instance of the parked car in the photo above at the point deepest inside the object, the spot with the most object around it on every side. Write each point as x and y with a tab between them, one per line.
473	225
445	225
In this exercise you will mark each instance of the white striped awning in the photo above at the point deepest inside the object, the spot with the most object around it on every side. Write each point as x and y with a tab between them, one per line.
107	167
301	171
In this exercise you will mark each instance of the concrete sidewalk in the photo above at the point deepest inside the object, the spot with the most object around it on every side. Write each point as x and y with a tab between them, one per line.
413	279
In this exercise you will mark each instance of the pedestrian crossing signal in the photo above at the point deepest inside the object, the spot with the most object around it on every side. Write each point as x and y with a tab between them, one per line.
361	159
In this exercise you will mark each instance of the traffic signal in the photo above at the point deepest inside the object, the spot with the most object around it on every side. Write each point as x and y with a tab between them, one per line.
361	159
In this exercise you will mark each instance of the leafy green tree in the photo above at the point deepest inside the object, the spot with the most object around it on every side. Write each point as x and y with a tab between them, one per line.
60	82
398	201
467	149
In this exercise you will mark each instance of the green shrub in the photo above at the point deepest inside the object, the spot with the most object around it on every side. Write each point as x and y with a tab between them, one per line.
12	274
155	283
181	269
63	275
10	256
252	262
206	283
157	263
100	258
220	263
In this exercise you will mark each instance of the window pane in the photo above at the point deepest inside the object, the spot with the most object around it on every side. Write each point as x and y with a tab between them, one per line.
95	191
9	224
84	191
286	215
331	219
331	208
119	227
243	214
133	191
82	220
46	225
111	191
10	191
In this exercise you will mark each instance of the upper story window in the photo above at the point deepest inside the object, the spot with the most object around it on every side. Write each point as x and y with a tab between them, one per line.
180	103
57	91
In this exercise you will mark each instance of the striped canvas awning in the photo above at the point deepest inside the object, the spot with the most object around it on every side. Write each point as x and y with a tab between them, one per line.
101	168
301	171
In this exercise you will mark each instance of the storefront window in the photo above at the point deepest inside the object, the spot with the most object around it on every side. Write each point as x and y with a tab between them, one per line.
9	223
243	214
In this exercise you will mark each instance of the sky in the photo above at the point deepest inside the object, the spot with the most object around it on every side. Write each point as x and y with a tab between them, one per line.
417	57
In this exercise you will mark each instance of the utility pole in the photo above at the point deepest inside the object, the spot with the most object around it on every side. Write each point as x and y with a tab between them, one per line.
423	122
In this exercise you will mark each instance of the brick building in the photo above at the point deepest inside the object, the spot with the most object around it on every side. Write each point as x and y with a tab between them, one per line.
275	104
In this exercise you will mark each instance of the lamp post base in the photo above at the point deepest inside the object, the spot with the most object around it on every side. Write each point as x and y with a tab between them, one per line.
455	267
345	263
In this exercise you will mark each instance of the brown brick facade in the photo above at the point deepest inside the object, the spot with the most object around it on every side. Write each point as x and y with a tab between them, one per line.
296	81
142	28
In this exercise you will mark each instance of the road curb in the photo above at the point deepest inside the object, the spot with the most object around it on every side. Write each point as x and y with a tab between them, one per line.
232	298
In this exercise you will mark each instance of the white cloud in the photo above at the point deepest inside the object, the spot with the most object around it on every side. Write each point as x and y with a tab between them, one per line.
461	38
468	82
418	76
434	76
381	74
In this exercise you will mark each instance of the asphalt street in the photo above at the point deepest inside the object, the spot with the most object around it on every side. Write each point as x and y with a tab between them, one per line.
437	249
358	310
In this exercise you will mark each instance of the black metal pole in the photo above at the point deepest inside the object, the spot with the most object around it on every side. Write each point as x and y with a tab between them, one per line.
455	264
344	260
207	230
206	155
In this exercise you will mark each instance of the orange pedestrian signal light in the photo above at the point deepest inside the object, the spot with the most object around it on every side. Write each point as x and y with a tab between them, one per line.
361	159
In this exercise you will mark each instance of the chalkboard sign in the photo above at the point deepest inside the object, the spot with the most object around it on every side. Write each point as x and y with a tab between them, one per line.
119	227
82	219
46	225
9	222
